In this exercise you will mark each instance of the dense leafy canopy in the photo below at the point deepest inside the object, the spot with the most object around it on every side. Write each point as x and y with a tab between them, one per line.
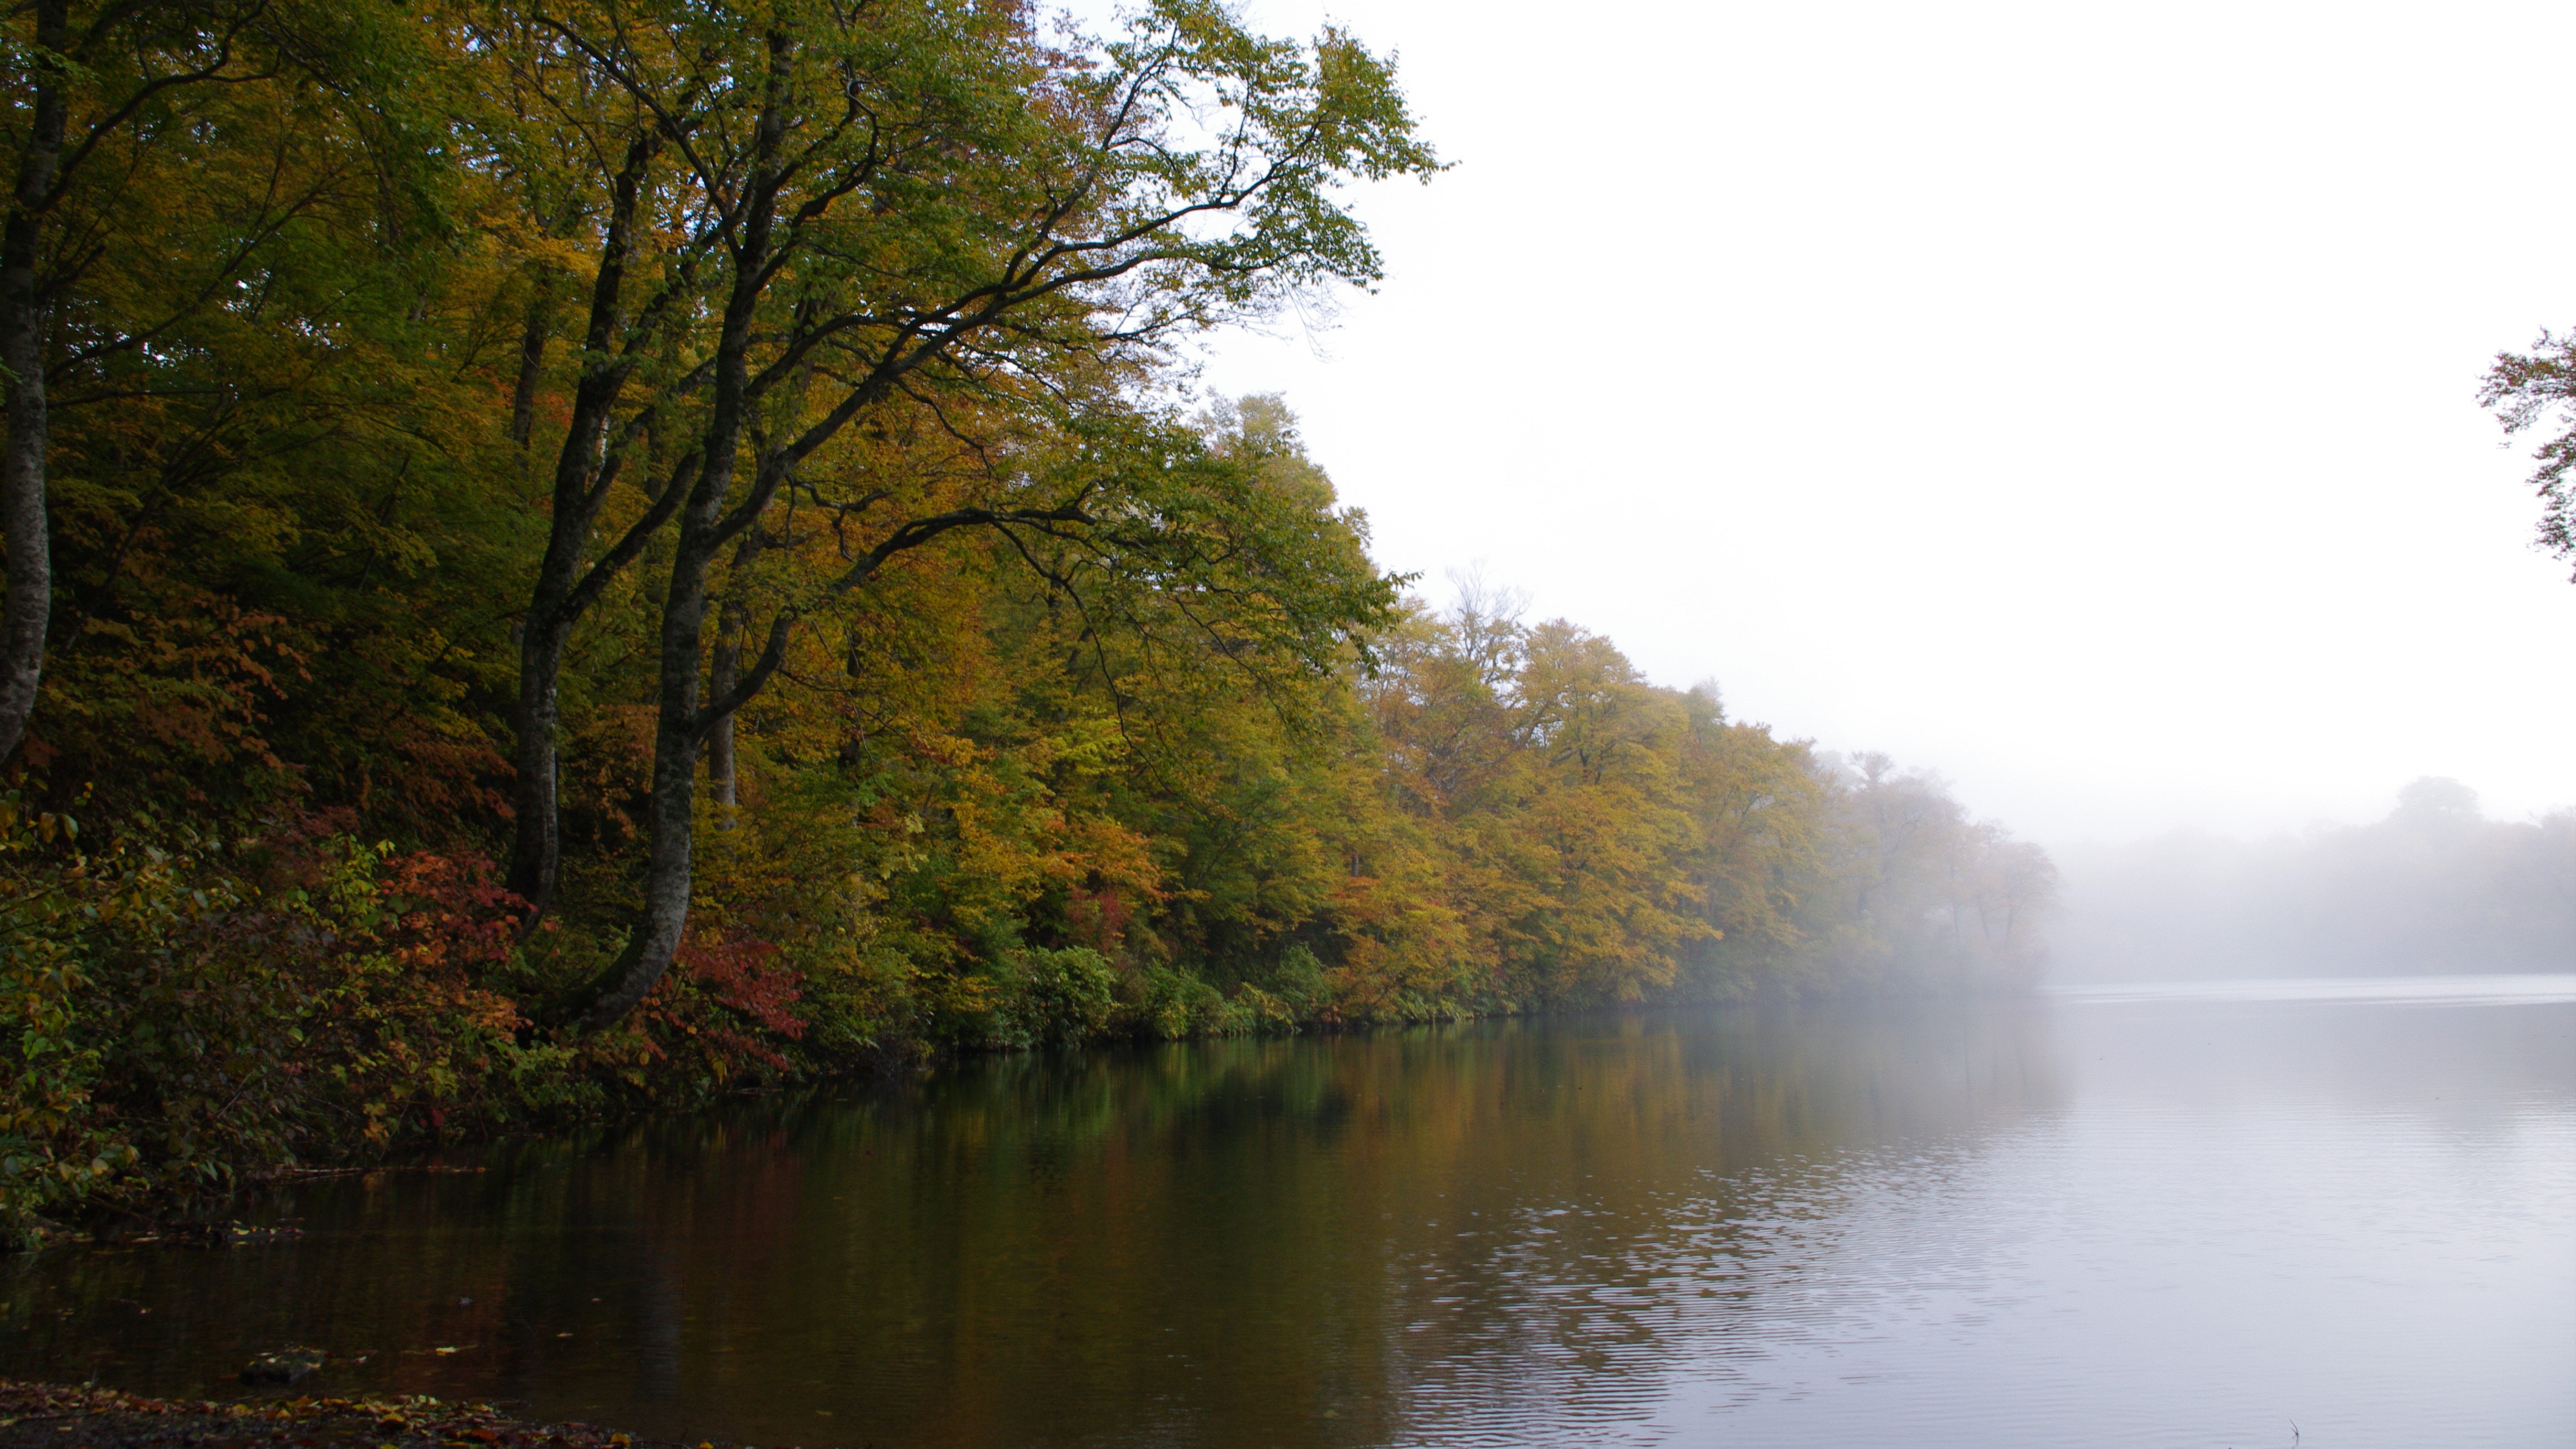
603	551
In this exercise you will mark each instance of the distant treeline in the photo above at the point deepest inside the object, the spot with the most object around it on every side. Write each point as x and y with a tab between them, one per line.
571	557
2433	888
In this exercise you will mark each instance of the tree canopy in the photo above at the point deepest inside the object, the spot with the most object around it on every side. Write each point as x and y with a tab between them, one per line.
2537	389
574	553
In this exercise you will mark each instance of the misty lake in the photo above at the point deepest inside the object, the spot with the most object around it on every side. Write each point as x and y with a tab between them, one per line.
2173	1216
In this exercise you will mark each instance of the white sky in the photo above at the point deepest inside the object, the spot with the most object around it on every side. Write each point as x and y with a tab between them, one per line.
2076	399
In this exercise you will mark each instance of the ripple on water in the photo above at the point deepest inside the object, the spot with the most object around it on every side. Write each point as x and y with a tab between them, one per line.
2181	1218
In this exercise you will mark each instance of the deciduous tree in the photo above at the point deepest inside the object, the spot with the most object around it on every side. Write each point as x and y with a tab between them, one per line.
2526	390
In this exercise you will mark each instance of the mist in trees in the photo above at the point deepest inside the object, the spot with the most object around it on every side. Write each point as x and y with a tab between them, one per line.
563	557
2435	887
1603	837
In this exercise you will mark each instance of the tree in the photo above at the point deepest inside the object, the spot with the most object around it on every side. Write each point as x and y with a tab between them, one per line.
262	433
911	199
110	103
2524	389
906	199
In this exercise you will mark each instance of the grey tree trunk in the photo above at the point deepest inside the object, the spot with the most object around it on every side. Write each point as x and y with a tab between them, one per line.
678	731
535	844
724	670
532	358
670	815
26	606
559	596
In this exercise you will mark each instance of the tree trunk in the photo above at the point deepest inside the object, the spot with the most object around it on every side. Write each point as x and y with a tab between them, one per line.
678	731
27	605
670	816
557	600
677	734
532	358
724	669
535	846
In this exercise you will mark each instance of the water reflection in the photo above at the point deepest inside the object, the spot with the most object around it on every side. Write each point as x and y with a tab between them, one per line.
1988	1224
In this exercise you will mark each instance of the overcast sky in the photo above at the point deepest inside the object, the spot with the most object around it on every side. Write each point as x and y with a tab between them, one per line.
2075	399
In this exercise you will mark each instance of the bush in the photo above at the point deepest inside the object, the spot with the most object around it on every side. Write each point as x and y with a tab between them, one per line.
192	1012
1174	1004
56	1148
1041	998
1299	981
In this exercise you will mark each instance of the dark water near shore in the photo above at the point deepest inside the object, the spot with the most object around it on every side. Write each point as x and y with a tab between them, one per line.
2186	1218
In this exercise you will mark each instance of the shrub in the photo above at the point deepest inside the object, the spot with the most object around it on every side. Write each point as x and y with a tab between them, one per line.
1173	1004
1037	997
192	1012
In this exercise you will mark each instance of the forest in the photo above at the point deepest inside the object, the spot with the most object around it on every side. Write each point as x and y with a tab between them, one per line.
2436	887
571	558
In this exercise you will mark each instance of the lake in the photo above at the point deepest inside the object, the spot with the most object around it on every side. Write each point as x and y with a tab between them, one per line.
2173	1216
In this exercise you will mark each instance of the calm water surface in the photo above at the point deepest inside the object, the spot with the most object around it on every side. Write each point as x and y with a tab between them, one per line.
2154	1216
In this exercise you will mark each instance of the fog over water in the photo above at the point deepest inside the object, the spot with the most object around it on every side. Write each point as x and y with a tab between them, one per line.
2435	887
2074	403
2172	1218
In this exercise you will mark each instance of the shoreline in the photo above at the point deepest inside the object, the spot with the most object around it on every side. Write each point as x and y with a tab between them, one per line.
87	1416
216	1222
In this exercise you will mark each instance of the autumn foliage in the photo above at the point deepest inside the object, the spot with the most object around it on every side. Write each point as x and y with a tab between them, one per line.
438	406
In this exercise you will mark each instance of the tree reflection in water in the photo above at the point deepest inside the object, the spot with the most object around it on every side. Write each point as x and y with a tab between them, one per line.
1596	1227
